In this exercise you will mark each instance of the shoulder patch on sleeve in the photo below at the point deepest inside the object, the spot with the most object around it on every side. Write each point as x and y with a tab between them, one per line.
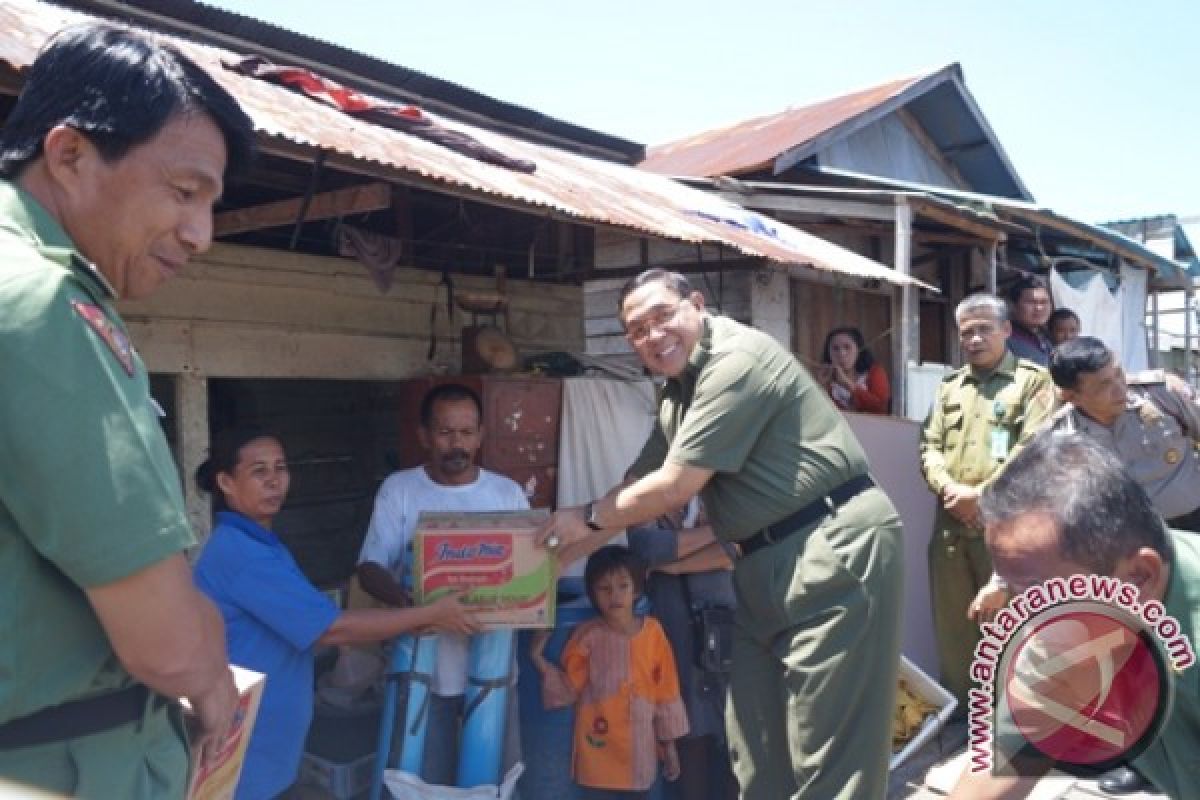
112	335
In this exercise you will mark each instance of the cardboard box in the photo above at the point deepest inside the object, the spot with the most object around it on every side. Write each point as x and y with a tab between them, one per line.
510	581
931	692
218	780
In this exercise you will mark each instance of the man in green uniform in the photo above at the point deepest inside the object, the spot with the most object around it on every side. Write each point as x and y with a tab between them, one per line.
983	412
109	167
818	580
1063	507
1151	422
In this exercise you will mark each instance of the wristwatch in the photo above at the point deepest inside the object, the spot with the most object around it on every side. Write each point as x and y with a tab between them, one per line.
589	517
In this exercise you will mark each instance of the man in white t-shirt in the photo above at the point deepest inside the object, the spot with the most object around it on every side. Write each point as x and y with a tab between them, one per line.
451	432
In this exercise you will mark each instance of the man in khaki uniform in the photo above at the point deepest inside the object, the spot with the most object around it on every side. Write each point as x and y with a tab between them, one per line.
818	581
110	163
983	413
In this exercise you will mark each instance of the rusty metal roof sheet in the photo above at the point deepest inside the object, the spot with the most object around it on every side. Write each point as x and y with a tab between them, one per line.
754	145
938	101
564	184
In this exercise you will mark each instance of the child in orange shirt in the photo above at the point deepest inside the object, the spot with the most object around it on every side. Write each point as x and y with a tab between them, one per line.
619	672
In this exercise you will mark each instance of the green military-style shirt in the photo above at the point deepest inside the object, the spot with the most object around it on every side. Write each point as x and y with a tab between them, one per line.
979	420
1172	761
745	408
89	493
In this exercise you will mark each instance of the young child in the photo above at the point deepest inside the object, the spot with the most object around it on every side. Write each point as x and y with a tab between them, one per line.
1062	325
619	672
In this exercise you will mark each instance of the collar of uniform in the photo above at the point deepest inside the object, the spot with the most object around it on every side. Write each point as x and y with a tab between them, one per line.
701	351
1007	366
1029	334
247	526
23	216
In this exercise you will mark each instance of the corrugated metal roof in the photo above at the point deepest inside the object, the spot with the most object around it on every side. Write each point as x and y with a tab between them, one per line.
988	209
222	28
753	145
569	185
938	100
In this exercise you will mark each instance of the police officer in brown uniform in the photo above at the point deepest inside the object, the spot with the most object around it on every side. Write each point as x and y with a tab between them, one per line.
983	413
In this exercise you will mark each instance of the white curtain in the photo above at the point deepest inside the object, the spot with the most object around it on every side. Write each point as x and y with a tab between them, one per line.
604	425
1115	318
1133	318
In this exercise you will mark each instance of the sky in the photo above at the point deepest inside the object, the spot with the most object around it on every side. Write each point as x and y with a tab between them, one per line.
1095	103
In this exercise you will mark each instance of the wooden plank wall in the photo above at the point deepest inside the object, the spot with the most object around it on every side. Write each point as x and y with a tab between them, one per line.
252	312
820	307
728	294
337	343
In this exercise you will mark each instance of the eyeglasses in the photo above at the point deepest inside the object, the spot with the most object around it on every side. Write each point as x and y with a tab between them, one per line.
657	319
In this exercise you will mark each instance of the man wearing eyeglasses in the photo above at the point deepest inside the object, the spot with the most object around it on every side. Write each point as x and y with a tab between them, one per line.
983	413
819	573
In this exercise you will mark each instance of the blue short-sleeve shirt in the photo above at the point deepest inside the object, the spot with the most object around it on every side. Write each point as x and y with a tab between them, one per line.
273	617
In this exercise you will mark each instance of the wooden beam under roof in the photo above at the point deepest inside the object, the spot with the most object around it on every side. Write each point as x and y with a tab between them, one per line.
325	205
958	221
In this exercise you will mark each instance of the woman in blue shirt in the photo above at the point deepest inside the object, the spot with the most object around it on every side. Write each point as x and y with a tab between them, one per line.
274	618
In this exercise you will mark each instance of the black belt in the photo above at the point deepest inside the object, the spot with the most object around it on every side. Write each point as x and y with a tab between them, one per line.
78	718
805	516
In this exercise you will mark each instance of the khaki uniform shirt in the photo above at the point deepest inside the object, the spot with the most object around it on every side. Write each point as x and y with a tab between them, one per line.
980	419
746	409
1155	438
89	493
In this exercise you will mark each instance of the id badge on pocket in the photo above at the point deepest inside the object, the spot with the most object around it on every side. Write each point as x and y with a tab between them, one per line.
999	444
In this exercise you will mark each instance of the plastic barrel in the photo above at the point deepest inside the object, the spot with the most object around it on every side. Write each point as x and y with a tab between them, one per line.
414	656
481	749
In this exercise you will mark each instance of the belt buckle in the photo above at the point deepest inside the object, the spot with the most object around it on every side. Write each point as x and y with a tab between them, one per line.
832	506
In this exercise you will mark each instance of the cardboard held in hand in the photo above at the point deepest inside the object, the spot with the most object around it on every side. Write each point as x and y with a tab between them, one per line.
218	779
509	581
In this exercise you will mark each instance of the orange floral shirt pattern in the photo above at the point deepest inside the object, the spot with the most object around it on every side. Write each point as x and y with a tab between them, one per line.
626	695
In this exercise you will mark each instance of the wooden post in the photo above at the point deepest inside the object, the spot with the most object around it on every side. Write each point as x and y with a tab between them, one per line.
993	265
191	403
1154	331
1189	371
906	318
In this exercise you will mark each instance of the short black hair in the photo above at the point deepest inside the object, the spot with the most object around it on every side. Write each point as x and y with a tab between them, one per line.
674	281
609	559
119	88
1076	356
1024	284
447	392
224	455
1060	314
865	357
1102	513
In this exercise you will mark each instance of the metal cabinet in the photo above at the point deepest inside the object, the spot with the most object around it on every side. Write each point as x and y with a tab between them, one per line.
521	427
